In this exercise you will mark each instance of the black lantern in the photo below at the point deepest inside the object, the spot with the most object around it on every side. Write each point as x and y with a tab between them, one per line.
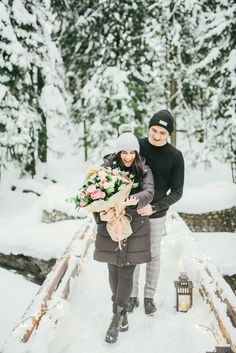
222	350
184	293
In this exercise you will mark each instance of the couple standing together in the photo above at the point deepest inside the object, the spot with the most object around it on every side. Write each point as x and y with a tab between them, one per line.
158	169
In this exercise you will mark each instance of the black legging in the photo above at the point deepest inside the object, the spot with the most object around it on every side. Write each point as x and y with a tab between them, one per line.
121	283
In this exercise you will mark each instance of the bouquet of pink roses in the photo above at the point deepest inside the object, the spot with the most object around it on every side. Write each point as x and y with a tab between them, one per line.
107	188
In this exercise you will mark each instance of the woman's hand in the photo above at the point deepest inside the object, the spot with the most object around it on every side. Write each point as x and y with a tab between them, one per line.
131	201
107	215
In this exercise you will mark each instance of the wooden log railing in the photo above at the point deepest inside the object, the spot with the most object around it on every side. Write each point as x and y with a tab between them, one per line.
213	288
217	293
56	287
62	266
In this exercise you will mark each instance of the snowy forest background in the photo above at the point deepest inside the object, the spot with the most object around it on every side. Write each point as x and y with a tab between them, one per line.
92	65
70	73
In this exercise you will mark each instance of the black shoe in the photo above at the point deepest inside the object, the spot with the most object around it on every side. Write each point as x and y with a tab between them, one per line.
149	306
124	324
133	303
114	328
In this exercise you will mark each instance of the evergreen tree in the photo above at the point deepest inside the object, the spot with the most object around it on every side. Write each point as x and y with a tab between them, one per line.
175	37
27	73
214	72
217	70
195	70
109	63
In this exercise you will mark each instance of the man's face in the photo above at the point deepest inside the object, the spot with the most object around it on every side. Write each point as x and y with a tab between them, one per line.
158	135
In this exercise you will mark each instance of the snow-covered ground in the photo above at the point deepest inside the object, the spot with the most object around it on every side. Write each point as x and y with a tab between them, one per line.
207	190
220	247
87	312
16	294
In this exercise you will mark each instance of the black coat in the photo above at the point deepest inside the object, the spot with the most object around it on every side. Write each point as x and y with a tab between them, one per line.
136	248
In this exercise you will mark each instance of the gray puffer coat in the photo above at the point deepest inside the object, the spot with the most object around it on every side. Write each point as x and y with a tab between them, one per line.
136	248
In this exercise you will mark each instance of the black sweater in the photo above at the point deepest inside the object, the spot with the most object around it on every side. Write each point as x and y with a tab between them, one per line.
167	165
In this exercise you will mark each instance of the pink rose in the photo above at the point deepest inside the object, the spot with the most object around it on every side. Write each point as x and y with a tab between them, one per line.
102	182
91	188
83	203
97	194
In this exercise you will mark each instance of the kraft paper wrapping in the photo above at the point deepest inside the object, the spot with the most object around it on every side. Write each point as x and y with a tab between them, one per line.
118	227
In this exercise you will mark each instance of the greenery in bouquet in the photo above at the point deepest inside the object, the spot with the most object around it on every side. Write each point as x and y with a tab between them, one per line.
101	184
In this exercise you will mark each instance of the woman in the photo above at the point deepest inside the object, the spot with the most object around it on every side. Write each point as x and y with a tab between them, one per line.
136	248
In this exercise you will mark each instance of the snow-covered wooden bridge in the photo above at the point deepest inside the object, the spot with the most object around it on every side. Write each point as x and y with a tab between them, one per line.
72	309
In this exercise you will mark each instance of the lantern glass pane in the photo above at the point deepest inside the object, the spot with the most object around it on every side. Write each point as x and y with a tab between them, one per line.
184	302
183	290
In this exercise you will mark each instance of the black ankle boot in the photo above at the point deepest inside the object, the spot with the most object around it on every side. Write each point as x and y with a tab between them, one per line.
133	303
124	324
149	306
114	328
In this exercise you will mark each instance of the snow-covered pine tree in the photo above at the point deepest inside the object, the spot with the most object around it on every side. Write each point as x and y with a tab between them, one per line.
108	62
177	22
18	118
30	82
217	70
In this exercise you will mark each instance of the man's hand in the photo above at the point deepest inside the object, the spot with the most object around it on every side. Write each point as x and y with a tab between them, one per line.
146	210
131	201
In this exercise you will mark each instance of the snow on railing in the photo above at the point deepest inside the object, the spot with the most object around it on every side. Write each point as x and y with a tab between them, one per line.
221	299
54	290
210	282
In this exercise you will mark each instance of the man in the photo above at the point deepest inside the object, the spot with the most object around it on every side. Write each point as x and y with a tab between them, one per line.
167	165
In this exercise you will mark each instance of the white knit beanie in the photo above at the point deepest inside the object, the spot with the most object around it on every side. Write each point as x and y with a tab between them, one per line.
127	140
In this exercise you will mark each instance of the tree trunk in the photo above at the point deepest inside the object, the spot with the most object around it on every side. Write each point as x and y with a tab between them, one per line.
85	142
42	132
201	137
173	104
42	139
233	162
30	166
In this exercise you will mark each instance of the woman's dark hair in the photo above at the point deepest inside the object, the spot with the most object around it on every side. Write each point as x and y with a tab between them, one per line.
137	167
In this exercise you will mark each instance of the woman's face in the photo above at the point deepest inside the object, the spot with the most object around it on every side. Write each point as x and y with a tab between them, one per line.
128	157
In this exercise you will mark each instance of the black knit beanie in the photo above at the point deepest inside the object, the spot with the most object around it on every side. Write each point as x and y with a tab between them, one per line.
164	119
